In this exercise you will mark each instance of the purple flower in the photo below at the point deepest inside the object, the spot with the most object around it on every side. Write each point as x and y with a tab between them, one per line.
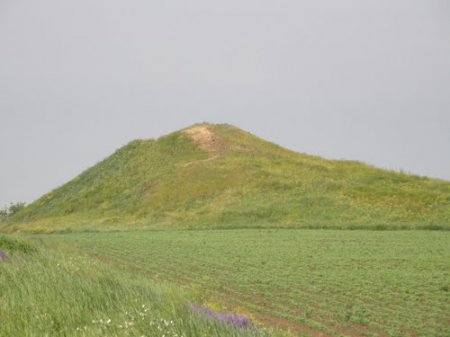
3	256
202	310
238	321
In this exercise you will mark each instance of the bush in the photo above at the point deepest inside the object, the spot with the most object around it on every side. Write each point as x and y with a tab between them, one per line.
14	208
10	210
3	214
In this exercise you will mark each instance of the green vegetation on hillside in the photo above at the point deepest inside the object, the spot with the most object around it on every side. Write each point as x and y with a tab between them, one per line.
314	282
218	176
47	293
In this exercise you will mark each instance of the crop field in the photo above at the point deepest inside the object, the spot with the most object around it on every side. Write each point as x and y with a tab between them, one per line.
311	282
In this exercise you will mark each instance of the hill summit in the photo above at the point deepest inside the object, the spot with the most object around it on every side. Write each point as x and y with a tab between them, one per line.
218	176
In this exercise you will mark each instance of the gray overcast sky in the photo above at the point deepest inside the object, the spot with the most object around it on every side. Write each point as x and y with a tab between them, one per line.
365	80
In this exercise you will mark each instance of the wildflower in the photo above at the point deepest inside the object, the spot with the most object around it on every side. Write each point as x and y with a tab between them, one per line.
3	256
239	321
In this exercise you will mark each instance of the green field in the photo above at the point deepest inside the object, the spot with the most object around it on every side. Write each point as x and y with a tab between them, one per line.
313	282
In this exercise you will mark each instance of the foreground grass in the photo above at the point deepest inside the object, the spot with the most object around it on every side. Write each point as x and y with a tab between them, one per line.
47	293
333	283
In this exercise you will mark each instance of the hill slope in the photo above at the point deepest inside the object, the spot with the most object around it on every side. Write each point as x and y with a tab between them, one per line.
211	176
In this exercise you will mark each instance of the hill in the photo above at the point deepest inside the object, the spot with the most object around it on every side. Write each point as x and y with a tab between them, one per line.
218	176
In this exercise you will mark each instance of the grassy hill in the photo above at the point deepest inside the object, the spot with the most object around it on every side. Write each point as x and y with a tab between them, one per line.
218	176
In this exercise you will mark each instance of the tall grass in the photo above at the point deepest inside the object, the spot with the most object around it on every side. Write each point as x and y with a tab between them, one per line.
47	293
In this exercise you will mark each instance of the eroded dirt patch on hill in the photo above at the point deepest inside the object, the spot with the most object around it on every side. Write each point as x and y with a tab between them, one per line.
211	142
